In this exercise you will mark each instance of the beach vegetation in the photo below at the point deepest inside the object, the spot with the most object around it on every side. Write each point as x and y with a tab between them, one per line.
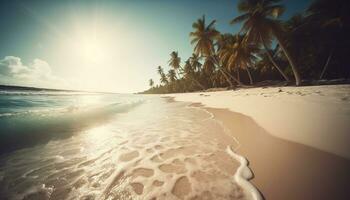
306	48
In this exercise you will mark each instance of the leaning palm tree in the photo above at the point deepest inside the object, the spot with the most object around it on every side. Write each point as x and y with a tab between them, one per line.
208	66
260	23
172	80
171	76
223	40
203	38
194	59
190	74
151	83
208	70
164	79
239	55
264	64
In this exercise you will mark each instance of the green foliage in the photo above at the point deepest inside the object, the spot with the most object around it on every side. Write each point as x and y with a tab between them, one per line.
313	43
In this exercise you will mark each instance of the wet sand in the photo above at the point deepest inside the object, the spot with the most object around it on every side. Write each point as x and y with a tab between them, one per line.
287	170
157	150
165	149
316	116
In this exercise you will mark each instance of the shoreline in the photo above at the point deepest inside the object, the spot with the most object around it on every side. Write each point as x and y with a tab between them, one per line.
284	166
158	149
283	169
315	116
243	173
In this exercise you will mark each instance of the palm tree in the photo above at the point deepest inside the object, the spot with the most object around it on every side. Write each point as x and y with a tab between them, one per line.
171	76
208	66
189	73
160	70
331	18
151	83
163	78
188	70
208	70
260	23
239	55
175	60
223	40
264	64
330	13
203	37
172	80
194	60
175	63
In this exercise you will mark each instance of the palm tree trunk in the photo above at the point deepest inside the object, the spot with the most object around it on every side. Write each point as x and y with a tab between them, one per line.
238	77
226	73
273	61
223	73
197	82
226	77
235	79
327	63
250	76
193	80
290	59
183	86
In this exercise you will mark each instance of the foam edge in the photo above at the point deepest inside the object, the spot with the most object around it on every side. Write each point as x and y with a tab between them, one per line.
243	174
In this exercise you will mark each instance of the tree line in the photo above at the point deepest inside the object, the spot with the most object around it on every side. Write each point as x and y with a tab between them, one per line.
311	45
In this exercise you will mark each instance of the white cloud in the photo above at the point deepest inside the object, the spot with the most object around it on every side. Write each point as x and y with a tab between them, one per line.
37	73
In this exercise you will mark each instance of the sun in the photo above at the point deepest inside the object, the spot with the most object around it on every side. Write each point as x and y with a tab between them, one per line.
91	49
92	44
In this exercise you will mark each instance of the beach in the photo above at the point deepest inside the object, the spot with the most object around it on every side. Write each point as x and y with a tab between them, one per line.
113	146
295	139
204	145
175	100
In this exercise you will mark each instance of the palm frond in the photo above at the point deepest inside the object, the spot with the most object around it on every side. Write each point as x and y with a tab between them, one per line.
240	18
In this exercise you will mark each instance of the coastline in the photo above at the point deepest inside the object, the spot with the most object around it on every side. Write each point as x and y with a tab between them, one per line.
315	116
285	167
159	149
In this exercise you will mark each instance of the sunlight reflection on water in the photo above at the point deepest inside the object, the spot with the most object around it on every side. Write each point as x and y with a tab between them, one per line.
157	149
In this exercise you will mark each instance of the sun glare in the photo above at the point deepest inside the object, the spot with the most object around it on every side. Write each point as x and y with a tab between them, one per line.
92	43
91	49
96	55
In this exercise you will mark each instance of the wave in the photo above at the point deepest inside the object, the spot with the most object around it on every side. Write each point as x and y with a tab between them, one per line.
28	128
46	93
33	112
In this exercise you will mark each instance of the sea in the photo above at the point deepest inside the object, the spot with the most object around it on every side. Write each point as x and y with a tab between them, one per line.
87	145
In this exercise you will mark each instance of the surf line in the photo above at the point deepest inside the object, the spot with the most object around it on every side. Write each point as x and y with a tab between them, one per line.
243	173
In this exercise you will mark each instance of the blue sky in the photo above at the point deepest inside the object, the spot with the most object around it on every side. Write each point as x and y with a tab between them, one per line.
102	45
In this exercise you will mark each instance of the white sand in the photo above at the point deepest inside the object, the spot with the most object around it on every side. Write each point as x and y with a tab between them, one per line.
318	116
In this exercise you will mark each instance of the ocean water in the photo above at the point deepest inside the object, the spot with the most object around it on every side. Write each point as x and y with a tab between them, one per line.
78	145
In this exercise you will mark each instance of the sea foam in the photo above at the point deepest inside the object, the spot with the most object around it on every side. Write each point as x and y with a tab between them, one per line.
156	150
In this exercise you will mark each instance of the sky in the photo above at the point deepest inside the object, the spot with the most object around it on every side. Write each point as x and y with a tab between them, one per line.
109	46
